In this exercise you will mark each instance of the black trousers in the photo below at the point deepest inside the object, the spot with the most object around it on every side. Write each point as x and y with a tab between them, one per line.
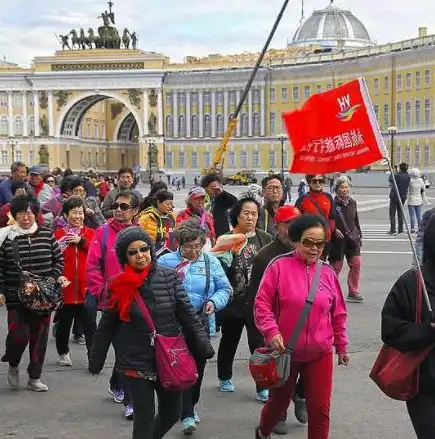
147	425
65	318
421	410
395	207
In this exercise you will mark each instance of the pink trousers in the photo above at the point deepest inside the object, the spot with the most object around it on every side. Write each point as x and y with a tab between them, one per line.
354	277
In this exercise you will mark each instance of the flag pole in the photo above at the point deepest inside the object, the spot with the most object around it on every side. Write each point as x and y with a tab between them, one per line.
408	231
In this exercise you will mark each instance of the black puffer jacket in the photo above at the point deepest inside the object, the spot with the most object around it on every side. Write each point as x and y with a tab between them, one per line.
170	307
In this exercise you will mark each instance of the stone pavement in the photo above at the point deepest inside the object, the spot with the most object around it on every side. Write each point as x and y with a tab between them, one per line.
78	405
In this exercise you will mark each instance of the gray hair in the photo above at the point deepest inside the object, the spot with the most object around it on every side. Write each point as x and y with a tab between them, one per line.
190	230
340	181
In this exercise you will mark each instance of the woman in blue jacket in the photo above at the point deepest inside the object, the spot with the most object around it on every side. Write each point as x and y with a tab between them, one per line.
209	291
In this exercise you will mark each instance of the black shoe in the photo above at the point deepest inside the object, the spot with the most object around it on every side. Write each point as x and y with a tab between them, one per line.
281	428
300	410
392	233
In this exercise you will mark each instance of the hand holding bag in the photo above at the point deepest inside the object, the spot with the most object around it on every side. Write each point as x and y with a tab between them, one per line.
269	368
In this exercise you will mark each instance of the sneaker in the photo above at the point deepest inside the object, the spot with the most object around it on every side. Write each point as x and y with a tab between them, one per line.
355	298
281	428
392	233
300	410
196	417
188	426
37	385
79	339
262	395
226	386
14	378
117	395
64	360
128	413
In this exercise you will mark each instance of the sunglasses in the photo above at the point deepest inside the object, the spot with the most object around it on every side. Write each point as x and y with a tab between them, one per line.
123	206
317	181
135	251
309	243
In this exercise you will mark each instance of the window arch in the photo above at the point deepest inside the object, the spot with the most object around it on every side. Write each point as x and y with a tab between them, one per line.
219	125
194	126
207	126
256	124
18	126
169	127
32	125
244	125
182	126
4	126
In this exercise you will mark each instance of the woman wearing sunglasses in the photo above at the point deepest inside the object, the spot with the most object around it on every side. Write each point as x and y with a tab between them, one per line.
281	297
123	323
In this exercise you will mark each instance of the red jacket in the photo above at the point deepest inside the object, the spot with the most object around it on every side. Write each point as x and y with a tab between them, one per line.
75	266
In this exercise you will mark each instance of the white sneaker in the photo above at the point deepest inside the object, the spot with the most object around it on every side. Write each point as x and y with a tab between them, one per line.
37	385
14	378
64	360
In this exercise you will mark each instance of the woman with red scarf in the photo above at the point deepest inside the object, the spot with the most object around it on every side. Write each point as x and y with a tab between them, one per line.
74	240
124	325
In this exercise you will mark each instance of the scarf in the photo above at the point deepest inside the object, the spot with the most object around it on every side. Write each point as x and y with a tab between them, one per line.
117	226
11	232
344	201
124	288
183	266
38	188
70	230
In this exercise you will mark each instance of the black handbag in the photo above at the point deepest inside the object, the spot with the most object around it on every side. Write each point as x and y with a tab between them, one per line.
353	236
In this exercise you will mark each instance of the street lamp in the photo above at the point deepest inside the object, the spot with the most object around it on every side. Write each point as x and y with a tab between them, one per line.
393	131
13	143
282	137
152	151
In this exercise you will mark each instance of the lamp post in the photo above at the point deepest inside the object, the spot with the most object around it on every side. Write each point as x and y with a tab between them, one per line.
282	138
152	150
393	131
13	143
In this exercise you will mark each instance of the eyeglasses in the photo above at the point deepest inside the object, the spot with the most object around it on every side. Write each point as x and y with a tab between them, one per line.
123	206
50	181
78	191
192	247
273	188
310	243
317	181
23	214
135	251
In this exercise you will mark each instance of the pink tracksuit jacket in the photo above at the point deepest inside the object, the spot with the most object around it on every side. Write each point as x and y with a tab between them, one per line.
281	297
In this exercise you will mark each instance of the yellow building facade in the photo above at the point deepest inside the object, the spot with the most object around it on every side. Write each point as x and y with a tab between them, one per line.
102	108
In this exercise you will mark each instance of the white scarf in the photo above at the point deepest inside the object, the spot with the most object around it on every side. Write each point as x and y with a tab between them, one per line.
15	230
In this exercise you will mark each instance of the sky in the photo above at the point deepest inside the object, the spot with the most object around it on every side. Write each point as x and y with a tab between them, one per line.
180	28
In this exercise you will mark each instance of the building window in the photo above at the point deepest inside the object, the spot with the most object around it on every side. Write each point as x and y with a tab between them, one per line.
427	113
417	114
194	98
219	125
257	125
219	97
232	97
207	159
272	95
426	155
285	157
169	127
407	154
256	159
244	125
32	157
103	131
319	89
4	157
169	160
194	127
181	159
399	115
398	153
207	126
427	78
207	98
231	159
182	99
376	86
257	96
417	80
272	159
18	156
408	81
3	99
307	91
295	94
408	116
182	126
272	124
386	84
399	82
284	95
169	99
386	115
417	155
243	159
376	110
96	134
4	126
194	160
17	99
18	126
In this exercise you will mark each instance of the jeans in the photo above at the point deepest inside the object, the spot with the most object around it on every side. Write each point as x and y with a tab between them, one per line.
27	328
317	376
395	207
421	410
147	425
414	216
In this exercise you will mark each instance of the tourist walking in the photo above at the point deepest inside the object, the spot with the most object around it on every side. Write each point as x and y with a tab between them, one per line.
402	180
40	190
416	191
162	292
273	193
281	297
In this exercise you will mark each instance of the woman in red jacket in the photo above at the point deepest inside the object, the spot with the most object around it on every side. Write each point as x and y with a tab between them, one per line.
74	240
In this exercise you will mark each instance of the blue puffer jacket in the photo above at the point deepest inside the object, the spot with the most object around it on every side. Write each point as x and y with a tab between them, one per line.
195	280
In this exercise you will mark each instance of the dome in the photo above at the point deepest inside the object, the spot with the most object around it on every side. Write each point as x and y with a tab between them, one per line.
332	27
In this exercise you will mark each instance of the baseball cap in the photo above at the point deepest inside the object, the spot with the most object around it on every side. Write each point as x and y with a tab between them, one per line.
285	214
197	192
35	170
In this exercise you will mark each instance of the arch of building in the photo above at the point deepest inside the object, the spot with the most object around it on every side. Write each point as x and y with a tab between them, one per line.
125	129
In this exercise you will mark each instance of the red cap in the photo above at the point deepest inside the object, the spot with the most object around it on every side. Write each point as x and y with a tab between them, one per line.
285	214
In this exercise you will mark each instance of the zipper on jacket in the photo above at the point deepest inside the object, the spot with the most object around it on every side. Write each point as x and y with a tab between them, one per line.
306	323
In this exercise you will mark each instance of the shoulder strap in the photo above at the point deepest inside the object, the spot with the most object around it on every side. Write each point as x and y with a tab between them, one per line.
419	297
316	205
145	312
342	217
207	275
306	309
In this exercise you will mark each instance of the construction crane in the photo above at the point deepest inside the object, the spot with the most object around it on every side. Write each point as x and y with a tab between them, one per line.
217	162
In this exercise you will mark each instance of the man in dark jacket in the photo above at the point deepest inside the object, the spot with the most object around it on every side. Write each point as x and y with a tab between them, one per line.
279	246
273	193
220	202
402	179
18	173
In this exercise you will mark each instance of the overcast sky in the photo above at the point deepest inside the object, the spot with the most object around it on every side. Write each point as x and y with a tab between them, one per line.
179	28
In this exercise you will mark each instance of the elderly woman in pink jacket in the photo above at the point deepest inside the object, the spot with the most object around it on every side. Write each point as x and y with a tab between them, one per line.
281	297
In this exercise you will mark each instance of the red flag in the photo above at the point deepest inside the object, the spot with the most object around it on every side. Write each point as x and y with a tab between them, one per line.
335	131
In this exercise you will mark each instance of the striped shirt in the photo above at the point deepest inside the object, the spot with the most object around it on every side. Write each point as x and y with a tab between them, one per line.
39	254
